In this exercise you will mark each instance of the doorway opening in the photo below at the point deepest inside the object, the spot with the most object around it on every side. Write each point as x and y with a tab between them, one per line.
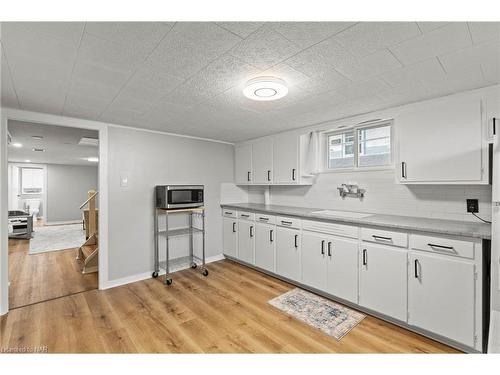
53	211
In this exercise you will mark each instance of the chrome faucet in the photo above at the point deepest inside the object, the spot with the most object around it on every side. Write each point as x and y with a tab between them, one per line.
351	190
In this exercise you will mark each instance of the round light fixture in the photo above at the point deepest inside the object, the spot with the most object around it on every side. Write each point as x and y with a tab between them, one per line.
265	89
17	145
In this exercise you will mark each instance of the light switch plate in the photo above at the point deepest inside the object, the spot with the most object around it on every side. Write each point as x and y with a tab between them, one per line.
124	179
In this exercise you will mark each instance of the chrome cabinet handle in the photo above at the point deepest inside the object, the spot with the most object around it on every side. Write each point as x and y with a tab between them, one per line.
245	215
234	227
329	249
440	246
286	222
323	247
251	231
271	239
293	174
382	238
416	268
264	218
365	262
403	169
248	175
296	237
268	175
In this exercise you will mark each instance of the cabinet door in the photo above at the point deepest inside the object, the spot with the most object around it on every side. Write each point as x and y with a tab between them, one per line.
441	141
286	158
246	241
441	295
262	161
243	163
383	280
342	271
314	250
265	238
230	236
288	253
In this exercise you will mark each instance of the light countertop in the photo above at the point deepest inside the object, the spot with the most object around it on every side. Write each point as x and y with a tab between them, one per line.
410	223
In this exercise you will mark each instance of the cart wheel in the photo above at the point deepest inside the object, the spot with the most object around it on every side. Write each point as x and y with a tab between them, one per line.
155	275
169	281
205	272
193	265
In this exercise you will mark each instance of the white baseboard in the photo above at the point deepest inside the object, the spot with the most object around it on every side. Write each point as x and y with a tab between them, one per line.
63	222
147	275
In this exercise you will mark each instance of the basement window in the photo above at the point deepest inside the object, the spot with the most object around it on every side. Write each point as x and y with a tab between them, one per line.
364	146
31	180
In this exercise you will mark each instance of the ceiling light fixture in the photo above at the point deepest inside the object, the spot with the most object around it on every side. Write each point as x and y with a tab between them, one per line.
265	89
17	145
93	159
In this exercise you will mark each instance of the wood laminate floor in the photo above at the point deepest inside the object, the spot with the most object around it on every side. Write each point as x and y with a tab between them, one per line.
44	276
225	312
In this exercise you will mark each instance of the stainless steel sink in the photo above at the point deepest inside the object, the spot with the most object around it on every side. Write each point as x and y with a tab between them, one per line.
345	214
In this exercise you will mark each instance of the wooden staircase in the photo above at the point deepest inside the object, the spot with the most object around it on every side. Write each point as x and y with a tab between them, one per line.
88	253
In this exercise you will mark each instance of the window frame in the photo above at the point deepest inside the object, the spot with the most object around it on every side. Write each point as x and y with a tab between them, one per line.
21	187
355	129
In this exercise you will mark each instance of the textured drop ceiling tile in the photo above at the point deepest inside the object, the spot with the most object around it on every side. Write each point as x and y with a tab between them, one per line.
305	34
112	55
455	82
368	66
430	26
405	93
491	73
76	107
88	71
326	82
366	38
484	31
122	116
310	62
449	38
291	76
370	87
135	103
264	48
67	32
242	29
8	94
86	89
189	46
421	71
52	100
487	53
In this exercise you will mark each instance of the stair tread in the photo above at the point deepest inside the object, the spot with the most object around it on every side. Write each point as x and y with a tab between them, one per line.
87	250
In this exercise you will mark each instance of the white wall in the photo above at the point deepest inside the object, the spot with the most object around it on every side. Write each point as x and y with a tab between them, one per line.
150	159
67	189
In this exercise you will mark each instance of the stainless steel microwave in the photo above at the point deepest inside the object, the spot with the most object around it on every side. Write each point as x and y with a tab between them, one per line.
179	196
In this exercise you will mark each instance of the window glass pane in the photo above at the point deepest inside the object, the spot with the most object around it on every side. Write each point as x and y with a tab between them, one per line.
31	180
374	146
341	150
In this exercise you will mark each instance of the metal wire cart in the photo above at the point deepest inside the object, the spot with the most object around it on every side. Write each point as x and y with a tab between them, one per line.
169	233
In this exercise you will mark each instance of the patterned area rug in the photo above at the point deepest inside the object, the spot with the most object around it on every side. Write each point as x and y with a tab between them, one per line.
330	317
56	237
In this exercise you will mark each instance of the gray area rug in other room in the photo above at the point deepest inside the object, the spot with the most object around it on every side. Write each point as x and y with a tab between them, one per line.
333	319
56	237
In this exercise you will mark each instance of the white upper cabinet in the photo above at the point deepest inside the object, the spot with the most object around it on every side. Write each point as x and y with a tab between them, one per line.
262	161
243	163
442	142
286	159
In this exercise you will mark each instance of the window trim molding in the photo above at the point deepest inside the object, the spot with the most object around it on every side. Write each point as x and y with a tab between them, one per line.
362	125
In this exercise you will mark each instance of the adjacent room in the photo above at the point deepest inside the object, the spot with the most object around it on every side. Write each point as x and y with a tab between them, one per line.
52	173
250	187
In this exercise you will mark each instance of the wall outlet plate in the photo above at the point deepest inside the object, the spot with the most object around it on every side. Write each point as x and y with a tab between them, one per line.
472	205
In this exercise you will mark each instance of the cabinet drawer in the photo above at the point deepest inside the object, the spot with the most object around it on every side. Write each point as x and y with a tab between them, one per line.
330	228
268	219
386	237
443	245
229	213
245	215
291	222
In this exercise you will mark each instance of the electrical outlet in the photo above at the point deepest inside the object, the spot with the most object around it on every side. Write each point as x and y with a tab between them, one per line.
472	205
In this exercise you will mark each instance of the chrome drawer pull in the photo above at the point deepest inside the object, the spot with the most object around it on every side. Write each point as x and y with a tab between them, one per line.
382	238
441	246
264	218
244	215
286	222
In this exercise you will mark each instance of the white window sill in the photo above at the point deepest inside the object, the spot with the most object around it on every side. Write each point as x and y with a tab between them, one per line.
357	169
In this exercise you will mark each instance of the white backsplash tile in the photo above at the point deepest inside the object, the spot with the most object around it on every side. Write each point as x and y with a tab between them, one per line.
383	195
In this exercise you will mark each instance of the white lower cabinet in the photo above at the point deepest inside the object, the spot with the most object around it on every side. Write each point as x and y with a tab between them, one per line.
383	280
314	260
441	295
246	241
342	269
230	236
265	239
288	253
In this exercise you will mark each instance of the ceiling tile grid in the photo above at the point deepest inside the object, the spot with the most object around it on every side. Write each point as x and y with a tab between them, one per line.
188	77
